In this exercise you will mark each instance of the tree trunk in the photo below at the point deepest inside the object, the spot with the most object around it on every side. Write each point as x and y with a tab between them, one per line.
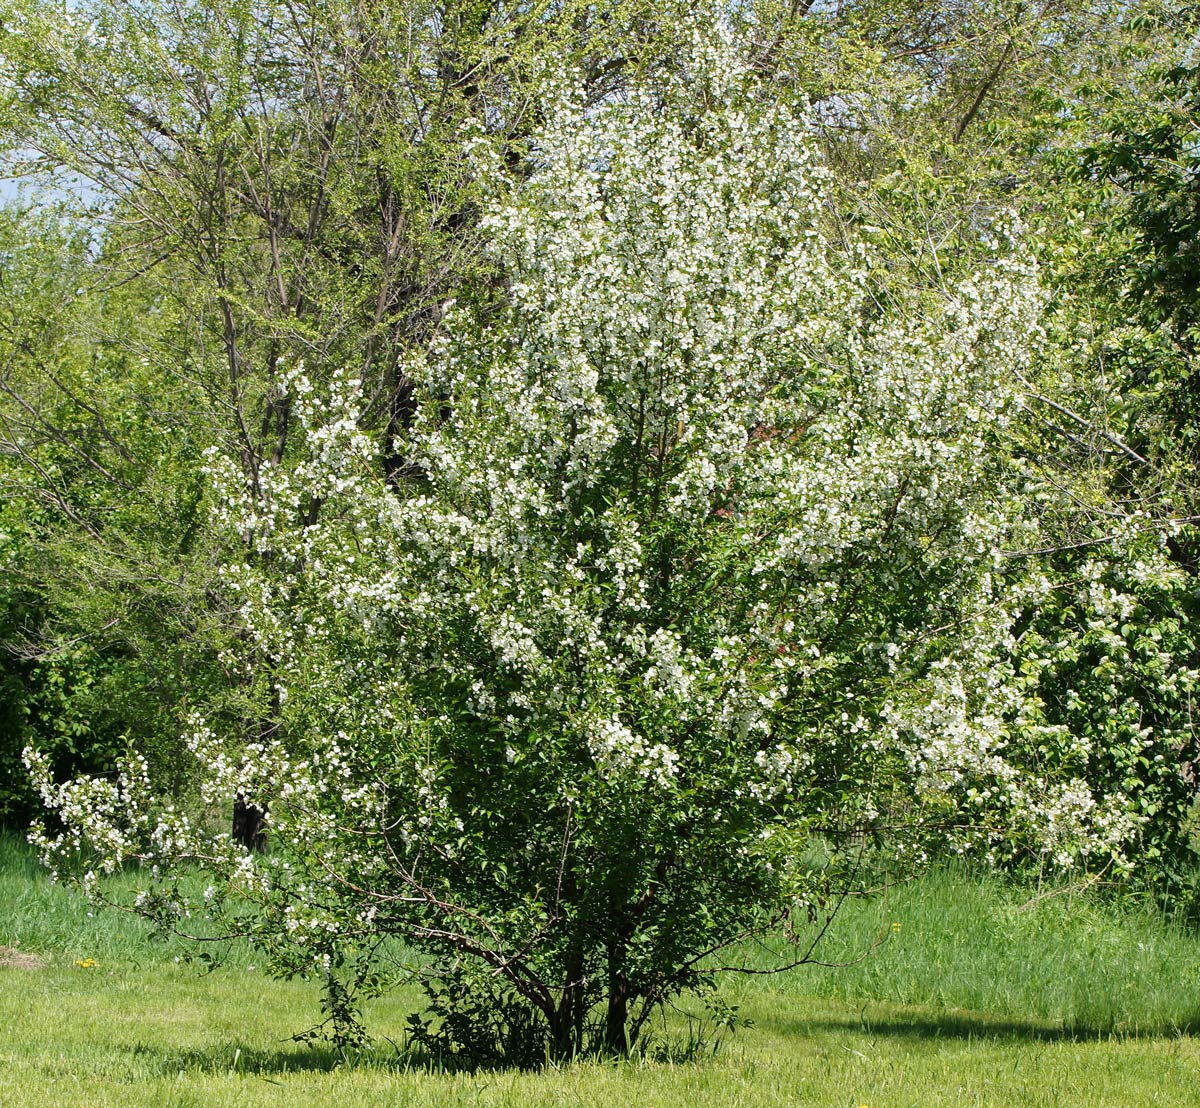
616	1016
567	1025
249	825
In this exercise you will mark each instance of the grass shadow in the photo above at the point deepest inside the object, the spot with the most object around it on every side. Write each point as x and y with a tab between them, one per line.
229	1059
982	1027
235	1059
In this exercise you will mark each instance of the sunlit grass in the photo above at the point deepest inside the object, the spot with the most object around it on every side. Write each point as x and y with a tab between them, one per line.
957	940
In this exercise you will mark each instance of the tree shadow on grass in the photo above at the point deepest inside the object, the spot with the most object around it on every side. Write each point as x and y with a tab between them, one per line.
386	1056
229	1059
233	1059
979	1027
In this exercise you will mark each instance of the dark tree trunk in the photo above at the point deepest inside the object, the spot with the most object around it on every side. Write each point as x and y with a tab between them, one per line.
249	825
616	1016
397	467
566	1023
563	1046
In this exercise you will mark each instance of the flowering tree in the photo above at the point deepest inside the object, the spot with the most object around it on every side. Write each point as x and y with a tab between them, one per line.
696	536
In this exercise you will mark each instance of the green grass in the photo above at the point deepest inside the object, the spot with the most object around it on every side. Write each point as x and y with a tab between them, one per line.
971	1001
49	919
955	940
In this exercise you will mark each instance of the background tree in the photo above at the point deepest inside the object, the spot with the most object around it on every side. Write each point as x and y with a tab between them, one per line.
100	502
996	107
271	184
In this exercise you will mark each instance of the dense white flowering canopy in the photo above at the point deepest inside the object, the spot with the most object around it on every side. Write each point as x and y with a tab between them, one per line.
700	564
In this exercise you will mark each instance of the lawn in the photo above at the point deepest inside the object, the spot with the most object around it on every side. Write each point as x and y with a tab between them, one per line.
977	996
